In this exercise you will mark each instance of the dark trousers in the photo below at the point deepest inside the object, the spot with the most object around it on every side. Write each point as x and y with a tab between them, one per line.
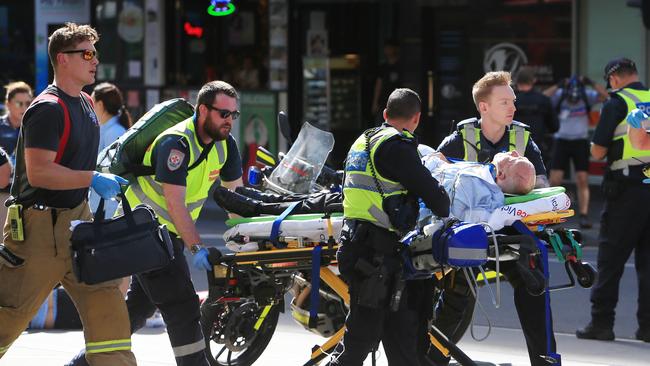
457	303
625	226
402	333
169	289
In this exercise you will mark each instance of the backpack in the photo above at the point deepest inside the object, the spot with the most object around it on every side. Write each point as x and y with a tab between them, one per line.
124	156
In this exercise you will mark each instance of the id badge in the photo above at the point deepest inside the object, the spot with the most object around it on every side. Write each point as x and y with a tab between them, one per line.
16	222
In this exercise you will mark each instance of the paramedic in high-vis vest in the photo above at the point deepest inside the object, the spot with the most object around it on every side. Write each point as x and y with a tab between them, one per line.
480	140
188	159
383	179
625	222
55	163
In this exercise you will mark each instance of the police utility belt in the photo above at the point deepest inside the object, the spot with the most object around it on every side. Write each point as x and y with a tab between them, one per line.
379	285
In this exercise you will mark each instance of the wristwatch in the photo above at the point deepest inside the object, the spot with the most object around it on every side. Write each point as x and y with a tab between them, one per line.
194	248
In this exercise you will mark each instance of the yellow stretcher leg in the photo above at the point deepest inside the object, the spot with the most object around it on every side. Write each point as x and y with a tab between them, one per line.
336	284
329	345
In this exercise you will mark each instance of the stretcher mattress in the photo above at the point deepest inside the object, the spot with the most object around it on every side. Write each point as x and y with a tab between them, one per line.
245	234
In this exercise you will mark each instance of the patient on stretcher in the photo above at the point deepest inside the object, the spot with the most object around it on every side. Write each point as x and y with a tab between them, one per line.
476	190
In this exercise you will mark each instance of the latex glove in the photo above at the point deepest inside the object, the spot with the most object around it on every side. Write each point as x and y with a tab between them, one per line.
646	181
636	117
200	260
107	185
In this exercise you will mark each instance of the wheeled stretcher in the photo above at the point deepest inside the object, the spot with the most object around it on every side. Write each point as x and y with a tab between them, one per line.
268	251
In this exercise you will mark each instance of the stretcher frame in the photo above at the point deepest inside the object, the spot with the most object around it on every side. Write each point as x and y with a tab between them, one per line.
297	259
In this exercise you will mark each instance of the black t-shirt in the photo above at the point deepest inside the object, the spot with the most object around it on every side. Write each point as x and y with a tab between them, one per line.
536	110
390	80
397	159
43	126
176	148
452	146
613	112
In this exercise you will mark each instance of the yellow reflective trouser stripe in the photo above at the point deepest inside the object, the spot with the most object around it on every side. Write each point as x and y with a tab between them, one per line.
5	348
188	349
108	346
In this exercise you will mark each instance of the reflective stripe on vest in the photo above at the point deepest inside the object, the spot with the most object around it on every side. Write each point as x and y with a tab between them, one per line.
633	99
188	349
108	346
518	138
199	179
361	199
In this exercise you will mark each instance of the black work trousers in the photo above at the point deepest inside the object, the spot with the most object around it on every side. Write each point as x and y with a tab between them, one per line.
169	289
457	303
402	332
624	227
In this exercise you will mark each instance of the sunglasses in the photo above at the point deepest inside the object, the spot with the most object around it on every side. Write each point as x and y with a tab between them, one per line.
85	54
224	113
21	104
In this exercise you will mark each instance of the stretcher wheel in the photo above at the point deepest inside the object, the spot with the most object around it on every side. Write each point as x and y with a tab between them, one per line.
585	273
230	334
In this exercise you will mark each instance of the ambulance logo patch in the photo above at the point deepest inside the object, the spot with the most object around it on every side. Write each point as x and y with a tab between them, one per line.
175	159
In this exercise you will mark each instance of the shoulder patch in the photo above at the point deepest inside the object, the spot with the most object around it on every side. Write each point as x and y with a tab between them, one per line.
175	159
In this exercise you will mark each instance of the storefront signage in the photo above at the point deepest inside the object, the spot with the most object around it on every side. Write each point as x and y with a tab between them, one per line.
504	57
193	31
220	8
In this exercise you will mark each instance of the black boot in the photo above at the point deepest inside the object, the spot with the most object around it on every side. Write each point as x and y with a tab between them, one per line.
592	331
236	203
262	196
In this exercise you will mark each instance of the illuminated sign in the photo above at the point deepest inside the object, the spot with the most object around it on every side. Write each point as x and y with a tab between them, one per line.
195	31
220	8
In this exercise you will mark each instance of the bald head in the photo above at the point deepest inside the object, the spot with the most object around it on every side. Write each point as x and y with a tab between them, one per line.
515	173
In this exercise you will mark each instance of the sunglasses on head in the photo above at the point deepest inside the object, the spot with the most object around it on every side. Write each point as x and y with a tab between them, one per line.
85	54
224	113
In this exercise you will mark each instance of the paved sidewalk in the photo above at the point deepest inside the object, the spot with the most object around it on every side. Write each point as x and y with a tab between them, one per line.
291	345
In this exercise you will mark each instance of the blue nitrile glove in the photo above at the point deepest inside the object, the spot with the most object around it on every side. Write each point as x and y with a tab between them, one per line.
636	117
200	260
107	185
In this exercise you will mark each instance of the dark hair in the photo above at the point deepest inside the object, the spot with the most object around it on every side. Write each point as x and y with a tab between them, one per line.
111	98
68	37
525	75
621	66
210	91
403	103
17	87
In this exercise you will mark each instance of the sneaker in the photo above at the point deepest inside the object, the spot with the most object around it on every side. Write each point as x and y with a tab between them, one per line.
643	335
584	222
593	332
155	321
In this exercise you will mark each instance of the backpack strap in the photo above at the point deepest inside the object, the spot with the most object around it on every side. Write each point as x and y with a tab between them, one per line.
63	140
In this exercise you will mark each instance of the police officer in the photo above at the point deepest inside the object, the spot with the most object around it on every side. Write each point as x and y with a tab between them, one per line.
626	216
480	140
383	175
188	159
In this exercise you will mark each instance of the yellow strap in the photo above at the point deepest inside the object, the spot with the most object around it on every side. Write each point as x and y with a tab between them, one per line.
439	346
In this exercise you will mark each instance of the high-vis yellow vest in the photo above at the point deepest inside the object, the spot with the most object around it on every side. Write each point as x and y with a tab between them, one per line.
633	99
199	179
470	130
361	199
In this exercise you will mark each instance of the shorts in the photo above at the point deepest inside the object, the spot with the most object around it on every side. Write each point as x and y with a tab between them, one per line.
570	150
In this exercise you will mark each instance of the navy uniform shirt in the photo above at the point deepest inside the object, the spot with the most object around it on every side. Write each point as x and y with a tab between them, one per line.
452	146
177	173
8	135
614	111
397	159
